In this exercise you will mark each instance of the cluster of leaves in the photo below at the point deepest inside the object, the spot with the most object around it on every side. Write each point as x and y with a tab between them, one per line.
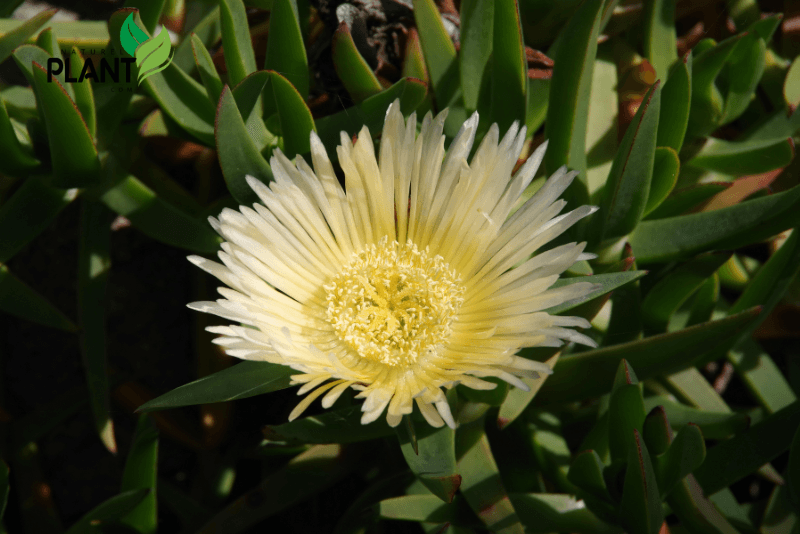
651	154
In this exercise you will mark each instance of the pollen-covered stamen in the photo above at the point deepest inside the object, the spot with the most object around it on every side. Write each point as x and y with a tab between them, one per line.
393	303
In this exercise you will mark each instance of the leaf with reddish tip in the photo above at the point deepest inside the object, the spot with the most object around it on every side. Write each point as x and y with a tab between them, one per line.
432	458
23	32
640	505
438	50
626	413
83	93
625	376
72	149
627	188
656	431
353	70
414	61
659	35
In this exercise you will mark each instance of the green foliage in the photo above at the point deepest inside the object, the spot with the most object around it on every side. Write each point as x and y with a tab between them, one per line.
668	135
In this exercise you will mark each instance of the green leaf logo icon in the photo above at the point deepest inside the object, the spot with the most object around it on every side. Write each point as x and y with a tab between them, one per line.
131	36
152	55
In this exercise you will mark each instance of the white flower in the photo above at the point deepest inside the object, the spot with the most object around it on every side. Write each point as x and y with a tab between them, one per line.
412	280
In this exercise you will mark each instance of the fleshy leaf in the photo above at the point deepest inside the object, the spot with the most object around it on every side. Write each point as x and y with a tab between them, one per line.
587	374
666	166
30	210
626	191
686	453
664	299
140	473
675	238
23	32
109	511
640	505
157	218
739	158
286	52
352	68
477	28
743	454
207	70
439	51
239	56
17	298
371	112
570	89
295	117
238	154
72	149
659	35
94	263
481	485
434	461
243	380
509	67
16	159
676	96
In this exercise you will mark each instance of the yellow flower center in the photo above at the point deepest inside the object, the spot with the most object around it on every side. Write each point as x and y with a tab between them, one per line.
393	303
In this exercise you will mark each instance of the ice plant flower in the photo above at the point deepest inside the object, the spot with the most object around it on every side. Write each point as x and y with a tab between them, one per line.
411	279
